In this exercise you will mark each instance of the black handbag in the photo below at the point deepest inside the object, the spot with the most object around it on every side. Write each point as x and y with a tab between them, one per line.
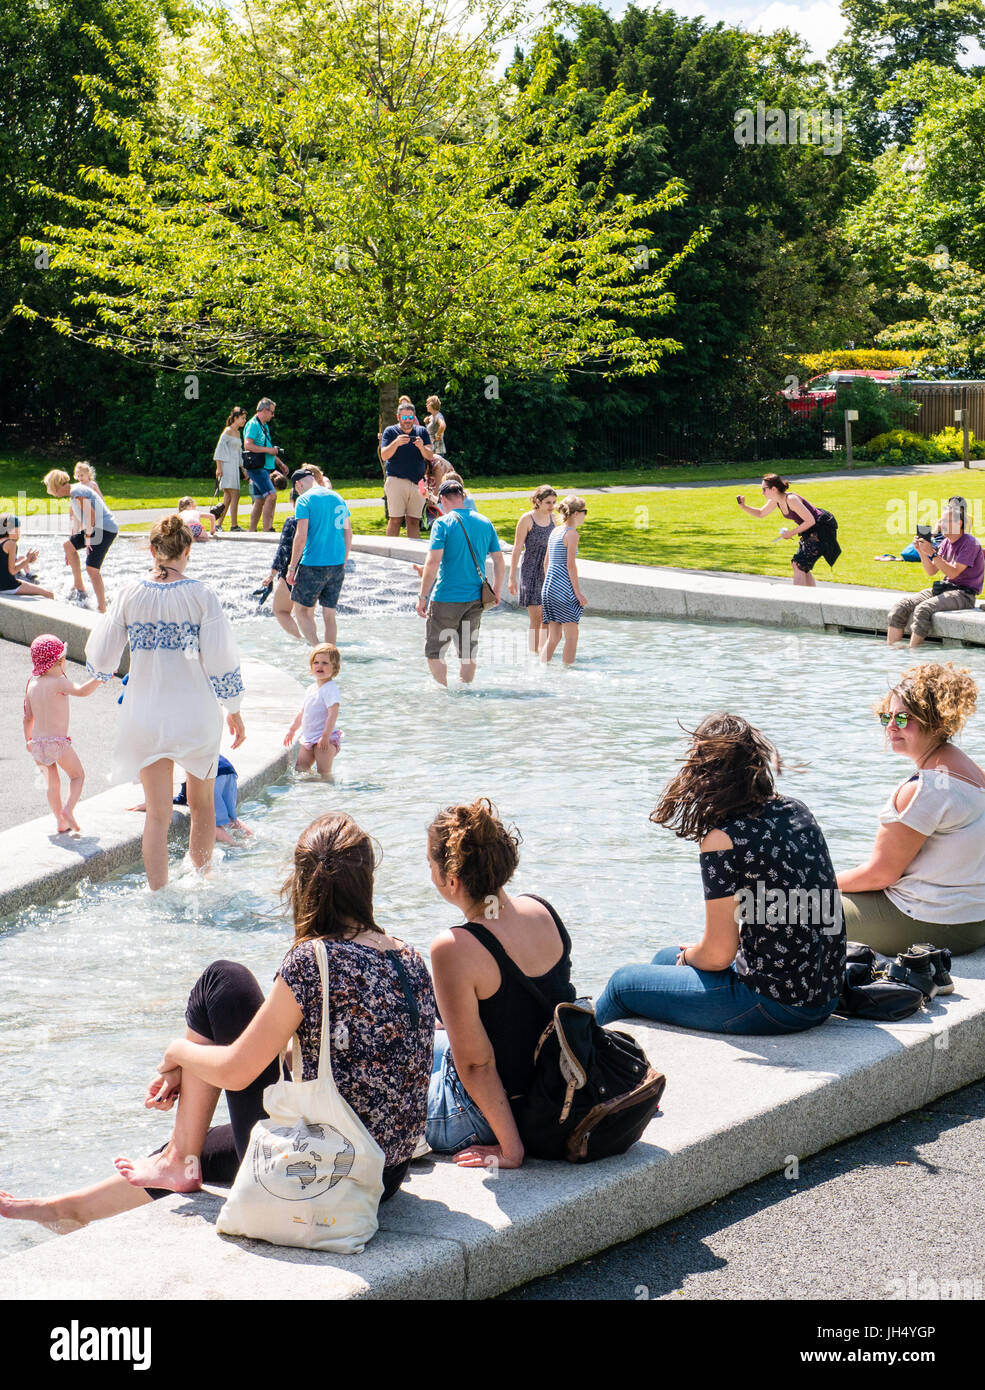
593	1090
867	993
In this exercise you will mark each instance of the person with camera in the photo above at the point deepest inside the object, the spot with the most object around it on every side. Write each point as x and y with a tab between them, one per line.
260	458
406	451
958	571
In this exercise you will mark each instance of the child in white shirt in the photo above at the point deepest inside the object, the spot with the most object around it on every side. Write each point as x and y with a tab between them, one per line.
320	739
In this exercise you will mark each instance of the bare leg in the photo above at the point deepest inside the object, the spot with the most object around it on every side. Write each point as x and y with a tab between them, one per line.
69	763
324	758
894	635
438	669
331	624
75	565
305	619
570	631
306	759
201	804
178	1166
255	511
55	798
223	835
73	1210
803	577
269	507
393	525
231	497
916	640
534	612
96	580
158	784
466	672
549	642
25	588
282	609
413	528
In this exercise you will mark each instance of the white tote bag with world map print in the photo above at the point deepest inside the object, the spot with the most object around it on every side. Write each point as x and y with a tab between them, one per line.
313	1174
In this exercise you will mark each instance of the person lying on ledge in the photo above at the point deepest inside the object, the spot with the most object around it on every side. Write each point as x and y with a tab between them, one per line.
925	878
772	957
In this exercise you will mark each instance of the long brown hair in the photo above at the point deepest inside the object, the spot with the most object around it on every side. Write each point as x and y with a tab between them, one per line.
330	887
728	771
474	845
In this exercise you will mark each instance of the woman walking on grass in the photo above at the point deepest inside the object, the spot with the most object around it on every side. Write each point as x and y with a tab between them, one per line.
816	529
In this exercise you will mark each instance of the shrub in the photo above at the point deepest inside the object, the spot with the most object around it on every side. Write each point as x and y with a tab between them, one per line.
880	410
902	447
951	440
858	359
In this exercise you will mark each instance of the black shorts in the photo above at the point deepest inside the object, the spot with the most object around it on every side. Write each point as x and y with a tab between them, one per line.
97	554
78	540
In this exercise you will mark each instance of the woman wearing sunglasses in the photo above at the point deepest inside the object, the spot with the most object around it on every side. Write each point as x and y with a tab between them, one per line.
925	878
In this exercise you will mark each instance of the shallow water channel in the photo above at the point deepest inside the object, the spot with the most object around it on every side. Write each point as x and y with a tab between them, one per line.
94	986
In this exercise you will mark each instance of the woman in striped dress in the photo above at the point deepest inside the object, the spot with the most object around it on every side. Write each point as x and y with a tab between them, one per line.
563	600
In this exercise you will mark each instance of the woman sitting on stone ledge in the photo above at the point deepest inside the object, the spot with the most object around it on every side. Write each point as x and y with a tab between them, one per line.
925	878
772	957
381	1004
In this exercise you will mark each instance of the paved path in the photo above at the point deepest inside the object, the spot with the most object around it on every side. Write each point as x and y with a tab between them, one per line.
92	728
870	1218
149	515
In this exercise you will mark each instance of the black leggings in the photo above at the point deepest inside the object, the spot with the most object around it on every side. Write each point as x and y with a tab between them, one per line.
223	1001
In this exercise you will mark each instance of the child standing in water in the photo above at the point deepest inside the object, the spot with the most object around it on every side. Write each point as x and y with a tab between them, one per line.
563	600
320	739
46	725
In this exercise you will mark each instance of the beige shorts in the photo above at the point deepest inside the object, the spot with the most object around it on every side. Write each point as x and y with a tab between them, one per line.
403	498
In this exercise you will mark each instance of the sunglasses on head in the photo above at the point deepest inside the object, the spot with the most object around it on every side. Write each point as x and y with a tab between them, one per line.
900	720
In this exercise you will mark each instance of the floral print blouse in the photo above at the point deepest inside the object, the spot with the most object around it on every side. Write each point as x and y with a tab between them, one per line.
382	1034
791	931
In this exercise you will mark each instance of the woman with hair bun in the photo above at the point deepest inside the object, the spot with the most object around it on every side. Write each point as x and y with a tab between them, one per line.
562	600
925	877
813	527
772	957
484	1057
183	665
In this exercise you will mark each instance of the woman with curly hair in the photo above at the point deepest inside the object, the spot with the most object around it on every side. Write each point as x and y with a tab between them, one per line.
772	956
925	877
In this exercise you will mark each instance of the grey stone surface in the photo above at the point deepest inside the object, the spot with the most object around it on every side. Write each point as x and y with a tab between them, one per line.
735	1109
39	866
23	619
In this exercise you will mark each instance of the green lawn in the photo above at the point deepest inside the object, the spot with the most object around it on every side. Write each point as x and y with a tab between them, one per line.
706	530
20	473
703	529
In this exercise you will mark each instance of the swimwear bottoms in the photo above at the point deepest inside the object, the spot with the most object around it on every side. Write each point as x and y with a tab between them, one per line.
46	749
334	738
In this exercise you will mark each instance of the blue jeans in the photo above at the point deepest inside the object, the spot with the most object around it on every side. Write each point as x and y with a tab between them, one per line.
224	796
716	1001
260	483
454	1120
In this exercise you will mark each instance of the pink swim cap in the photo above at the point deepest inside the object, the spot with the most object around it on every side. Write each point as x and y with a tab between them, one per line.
46	651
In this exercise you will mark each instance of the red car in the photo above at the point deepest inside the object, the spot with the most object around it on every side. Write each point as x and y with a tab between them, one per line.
822	391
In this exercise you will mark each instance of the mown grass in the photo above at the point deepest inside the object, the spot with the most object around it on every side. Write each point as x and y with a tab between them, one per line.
704	529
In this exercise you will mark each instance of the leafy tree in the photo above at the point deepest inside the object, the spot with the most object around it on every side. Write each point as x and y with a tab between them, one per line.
885	38
352	192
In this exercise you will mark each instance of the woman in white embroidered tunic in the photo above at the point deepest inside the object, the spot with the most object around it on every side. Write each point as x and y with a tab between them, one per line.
183	662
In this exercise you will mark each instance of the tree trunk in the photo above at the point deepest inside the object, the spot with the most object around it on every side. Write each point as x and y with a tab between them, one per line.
389	390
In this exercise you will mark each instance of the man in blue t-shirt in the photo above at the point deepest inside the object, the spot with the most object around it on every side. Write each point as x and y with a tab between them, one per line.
456	598
260	458
322	541
405	449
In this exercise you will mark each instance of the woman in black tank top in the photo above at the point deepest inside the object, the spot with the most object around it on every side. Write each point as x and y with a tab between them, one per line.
483	1060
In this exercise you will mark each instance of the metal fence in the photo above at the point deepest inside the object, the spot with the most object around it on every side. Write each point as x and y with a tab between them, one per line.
753	432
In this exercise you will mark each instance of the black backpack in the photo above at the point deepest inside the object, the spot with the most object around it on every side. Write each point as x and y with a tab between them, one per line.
593	1091
866	993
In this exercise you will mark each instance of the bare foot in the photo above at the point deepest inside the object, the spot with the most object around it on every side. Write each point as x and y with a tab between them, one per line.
44	1213
165	1169
64	825
223	836
73	824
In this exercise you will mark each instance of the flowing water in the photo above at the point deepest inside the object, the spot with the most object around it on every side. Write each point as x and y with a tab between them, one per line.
94	986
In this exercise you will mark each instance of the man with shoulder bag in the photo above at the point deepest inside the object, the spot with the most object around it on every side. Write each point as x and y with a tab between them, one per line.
261	457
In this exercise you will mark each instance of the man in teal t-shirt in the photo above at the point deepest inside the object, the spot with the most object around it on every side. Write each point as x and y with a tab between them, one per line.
322	541
260	458
455	611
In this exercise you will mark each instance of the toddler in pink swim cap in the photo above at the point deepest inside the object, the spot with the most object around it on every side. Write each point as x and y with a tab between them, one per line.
46	725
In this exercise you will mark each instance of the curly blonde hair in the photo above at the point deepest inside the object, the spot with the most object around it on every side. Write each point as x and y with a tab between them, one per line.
942	697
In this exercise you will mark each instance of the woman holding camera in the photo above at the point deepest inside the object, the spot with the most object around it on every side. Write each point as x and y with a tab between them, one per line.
816	529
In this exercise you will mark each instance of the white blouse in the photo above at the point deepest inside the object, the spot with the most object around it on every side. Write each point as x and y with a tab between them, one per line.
183	661
228	450
945	880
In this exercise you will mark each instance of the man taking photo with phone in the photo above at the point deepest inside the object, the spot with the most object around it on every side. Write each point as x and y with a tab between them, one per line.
405	449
